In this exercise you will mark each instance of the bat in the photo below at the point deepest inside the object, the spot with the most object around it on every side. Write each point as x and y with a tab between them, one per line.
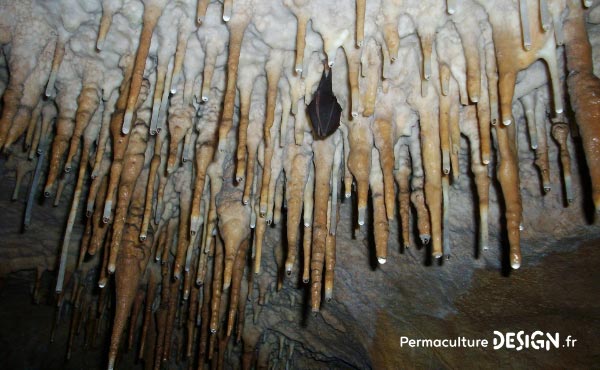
324	110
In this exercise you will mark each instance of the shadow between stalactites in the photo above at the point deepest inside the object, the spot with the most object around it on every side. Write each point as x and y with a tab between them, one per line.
505	269
283	244
475	203
370	237
300	285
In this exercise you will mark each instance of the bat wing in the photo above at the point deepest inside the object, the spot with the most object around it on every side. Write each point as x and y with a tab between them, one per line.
324	110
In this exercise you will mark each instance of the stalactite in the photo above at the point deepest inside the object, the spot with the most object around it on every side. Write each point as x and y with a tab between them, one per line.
237	27
383	138
154	163
237	276
359	163
324	150
541	152
119	142
180	121
480	171
133	162
560	133
59	53
64	130
152	12
234	219
131	264
371	67
508	176
216	287
380	224
87	103
183	187
402	176
430	144
582	85
273	68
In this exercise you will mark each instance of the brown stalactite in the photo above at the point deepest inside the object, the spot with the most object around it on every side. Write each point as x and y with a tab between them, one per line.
152	12
583	90
324	150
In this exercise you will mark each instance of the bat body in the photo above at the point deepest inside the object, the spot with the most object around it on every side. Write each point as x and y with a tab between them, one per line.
324	110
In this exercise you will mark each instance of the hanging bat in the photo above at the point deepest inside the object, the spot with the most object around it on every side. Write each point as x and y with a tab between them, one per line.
324	110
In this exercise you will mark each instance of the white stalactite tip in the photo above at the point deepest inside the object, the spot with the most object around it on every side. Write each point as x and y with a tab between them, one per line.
67	167
204	98
127	123
354	114
437	255
425	239
226	17
306	224
330	63
521	228
107	209
507	122
381	260
361	216
142	237
348	195
515	265
588	3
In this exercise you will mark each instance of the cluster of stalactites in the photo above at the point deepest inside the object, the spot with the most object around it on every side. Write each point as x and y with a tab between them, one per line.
182	185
